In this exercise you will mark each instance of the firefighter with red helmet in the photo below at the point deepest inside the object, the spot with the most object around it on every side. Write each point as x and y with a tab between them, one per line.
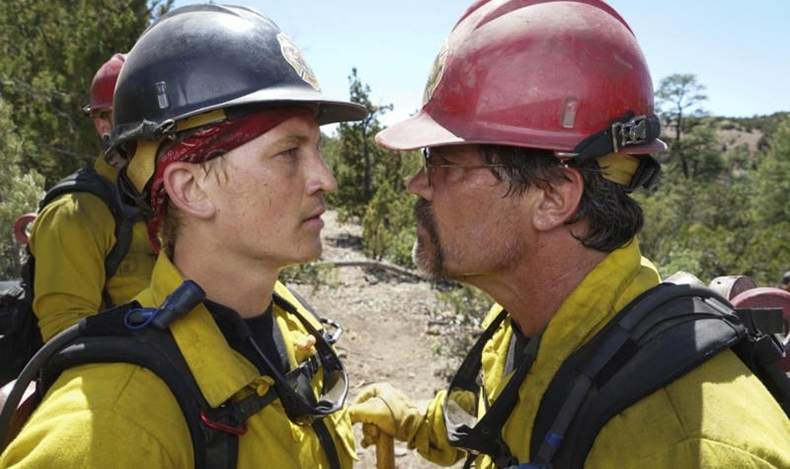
218	113
537	122
99	106
76	232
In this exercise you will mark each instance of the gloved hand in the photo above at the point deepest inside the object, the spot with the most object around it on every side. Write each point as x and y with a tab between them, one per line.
388	409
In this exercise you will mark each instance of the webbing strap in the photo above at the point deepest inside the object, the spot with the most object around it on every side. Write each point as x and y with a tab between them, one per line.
485	437
104	341
90	181
597	381
325	438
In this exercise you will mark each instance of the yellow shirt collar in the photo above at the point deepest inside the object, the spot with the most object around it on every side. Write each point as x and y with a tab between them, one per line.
619	278
104	169
219	371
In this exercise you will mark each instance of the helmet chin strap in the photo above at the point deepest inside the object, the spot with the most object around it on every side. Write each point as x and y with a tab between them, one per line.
143	162
610	148
627	130
618	167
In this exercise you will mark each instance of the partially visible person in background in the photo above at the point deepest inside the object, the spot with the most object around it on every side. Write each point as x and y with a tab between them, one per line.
88	258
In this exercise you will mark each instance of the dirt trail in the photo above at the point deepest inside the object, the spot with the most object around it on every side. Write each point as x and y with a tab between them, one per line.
388	322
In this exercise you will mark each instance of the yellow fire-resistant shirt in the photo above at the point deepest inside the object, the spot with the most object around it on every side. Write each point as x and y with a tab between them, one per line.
123	416
716	416
70	240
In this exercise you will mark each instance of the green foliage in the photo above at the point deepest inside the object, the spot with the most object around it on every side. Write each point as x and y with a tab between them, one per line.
356	158
467	306
19	192
772	178
370	182
388	225
315	275
679	98
49	52
467	302
728	218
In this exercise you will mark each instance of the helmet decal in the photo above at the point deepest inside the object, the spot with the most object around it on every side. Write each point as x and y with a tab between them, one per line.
294	57
435	76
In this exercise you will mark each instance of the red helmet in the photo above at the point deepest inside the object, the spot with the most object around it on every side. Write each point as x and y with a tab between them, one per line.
769	297
103	85
566	76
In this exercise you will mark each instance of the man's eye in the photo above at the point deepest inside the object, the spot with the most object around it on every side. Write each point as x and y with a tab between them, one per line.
291	152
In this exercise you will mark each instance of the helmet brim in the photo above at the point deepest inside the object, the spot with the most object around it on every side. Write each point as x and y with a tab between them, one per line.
418	131
421	130
329	111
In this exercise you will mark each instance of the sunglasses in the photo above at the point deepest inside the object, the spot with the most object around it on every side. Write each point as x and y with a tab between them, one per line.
428	166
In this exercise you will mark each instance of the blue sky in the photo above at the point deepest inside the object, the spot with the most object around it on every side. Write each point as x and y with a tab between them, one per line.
739	50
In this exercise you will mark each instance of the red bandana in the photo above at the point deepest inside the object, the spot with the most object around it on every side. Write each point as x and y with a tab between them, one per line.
208	143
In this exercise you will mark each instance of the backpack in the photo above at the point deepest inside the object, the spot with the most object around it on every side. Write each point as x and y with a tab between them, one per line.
20	337
661	335
106	338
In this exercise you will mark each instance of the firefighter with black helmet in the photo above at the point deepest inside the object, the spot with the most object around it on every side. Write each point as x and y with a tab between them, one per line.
537	122
218	113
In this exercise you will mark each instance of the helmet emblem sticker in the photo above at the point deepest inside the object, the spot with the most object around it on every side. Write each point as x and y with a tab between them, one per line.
294	57
437	70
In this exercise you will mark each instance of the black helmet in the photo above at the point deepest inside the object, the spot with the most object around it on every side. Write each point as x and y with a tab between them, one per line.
201	58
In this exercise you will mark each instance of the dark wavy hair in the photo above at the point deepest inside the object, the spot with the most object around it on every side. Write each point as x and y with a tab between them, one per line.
613	217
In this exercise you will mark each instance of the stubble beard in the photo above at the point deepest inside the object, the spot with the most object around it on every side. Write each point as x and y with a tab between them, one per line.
431	263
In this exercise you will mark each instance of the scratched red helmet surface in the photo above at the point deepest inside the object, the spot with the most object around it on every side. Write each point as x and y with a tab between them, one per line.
532	73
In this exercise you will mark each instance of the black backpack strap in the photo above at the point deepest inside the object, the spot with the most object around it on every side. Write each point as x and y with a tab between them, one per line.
125	216
597	381
21	336
310	367
214	431
762	349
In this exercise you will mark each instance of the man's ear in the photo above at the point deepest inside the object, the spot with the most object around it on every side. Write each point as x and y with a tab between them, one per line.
185	184
558	201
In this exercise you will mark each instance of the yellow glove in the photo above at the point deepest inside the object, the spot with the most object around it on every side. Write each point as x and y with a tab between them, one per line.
388	409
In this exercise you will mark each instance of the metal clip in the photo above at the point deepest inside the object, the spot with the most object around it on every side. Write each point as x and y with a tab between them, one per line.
161	95
628	133
167	129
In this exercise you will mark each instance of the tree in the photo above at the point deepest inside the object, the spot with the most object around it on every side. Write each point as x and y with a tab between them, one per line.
49	52
772	180
358	157
680	98
370	182
703	150
738	224
19	192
